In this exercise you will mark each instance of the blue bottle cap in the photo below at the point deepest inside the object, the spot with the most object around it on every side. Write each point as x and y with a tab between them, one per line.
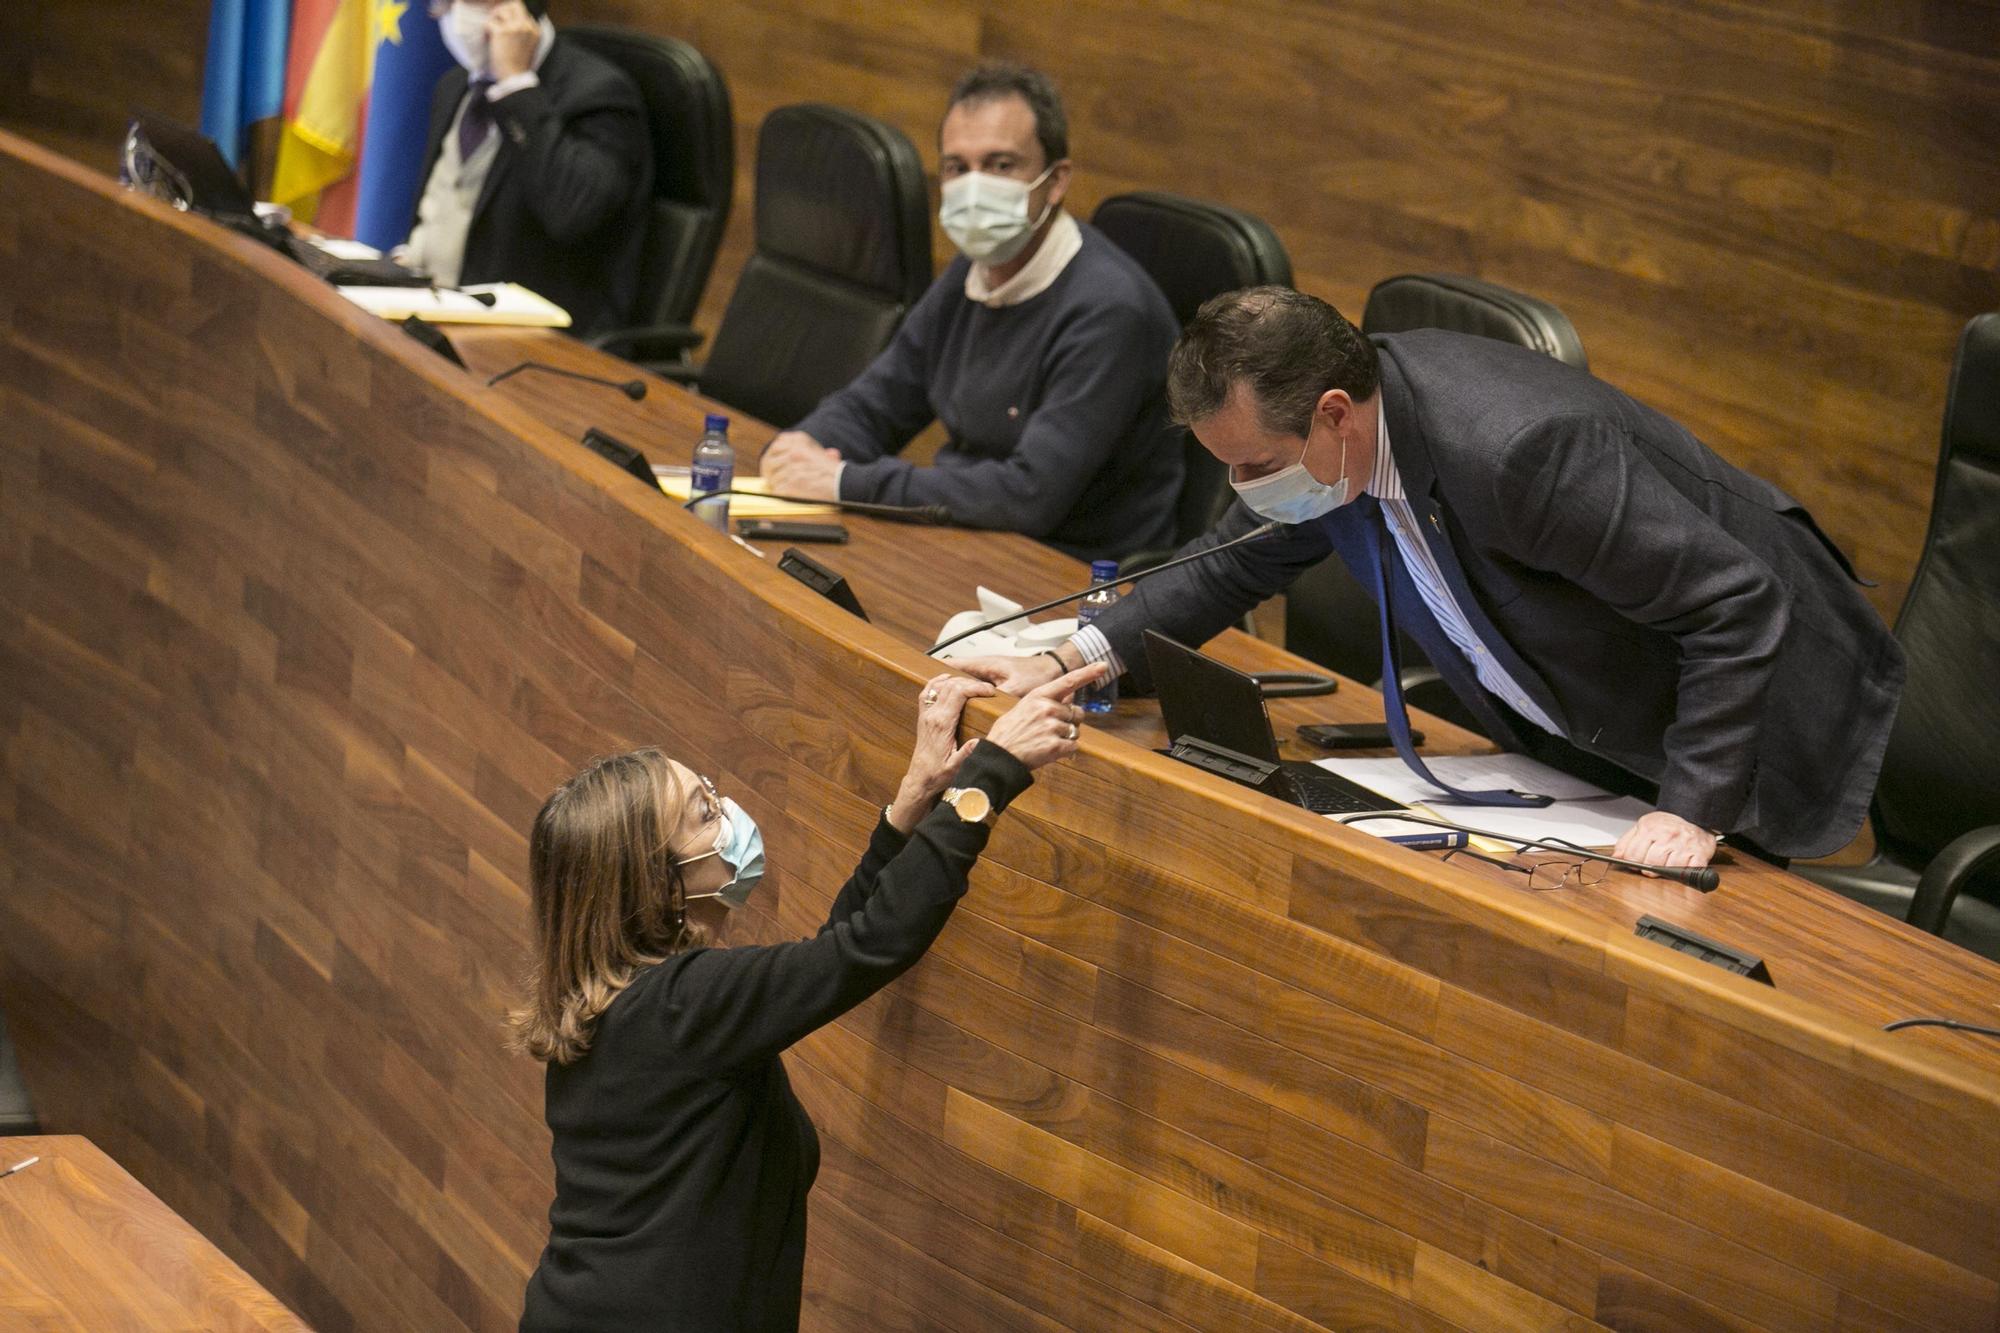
1103	571
716	421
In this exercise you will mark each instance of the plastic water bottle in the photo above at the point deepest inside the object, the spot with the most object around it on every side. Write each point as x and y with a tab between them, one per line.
714	469
1100	697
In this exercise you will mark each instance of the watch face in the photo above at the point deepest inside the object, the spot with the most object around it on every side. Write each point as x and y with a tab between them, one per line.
972	804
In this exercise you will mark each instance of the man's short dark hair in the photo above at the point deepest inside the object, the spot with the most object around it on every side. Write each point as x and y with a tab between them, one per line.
998	79
1286	347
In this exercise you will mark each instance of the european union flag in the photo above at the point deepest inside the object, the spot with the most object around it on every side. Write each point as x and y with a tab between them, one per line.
243	80
408	61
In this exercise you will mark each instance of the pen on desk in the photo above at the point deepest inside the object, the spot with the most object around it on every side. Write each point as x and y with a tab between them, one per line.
21	1165
746	546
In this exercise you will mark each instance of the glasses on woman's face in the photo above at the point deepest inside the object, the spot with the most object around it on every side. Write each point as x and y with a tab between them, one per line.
711	813
1545	874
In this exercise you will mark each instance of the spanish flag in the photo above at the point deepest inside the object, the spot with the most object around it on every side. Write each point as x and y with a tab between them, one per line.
331	64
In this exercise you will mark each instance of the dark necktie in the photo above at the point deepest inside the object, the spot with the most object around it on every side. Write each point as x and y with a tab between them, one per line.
1376	551
477	122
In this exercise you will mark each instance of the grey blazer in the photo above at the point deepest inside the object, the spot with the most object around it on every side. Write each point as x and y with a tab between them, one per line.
1673	615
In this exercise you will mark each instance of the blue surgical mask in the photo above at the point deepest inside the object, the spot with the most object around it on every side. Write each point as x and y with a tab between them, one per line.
742	849
1292	494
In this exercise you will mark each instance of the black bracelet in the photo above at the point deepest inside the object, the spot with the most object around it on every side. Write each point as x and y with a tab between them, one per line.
1062	667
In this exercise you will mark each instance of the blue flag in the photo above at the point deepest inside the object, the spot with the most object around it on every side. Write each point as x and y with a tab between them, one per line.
408	61
244	79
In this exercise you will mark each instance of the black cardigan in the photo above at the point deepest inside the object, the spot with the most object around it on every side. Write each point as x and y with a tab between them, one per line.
682	1158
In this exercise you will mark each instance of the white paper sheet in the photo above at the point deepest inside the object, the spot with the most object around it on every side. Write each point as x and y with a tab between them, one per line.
1582	814
342	248
512	304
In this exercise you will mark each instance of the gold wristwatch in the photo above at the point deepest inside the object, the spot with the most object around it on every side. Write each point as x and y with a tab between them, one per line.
973	805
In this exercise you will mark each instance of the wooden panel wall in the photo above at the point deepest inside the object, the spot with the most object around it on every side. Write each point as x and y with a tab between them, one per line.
297	627
1768	219
71	74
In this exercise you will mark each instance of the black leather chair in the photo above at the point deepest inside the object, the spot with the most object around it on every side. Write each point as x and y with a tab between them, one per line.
1193	250
694	178
17	1112
1329	617
1469	305
1936	813
842	252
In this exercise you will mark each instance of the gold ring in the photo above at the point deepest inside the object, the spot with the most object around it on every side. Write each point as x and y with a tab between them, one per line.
930	697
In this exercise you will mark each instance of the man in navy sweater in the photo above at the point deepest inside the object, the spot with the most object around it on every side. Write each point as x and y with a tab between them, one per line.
1042	349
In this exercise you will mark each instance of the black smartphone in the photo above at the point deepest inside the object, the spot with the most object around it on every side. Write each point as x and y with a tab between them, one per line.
778	530
1352	735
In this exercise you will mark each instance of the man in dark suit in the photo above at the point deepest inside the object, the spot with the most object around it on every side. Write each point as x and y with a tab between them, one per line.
540	167
1585	574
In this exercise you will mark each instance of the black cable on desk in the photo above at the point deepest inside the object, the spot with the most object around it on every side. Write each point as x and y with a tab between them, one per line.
1955	1024
1704	878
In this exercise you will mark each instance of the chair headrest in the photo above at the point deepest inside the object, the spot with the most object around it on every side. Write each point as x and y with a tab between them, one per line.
1470	305
1194	250
844	194
1972	403
687	111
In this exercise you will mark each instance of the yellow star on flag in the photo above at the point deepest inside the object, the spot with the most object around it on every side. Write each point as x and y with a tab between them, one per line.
389	20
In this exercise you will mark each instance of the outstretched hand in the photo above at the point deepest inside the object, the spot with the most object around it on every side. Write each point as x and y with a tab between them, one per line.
937	755
1015	675
1043	727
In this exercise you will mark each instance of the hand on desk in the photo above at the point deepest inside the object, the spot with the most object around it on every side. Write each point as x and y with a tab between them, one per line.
1038	730
796	464
1661	839
935	759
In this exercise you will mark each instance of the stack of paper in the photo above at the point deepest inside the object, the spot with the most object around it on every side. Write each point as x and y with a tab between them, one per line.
674	481
1581	813
510	303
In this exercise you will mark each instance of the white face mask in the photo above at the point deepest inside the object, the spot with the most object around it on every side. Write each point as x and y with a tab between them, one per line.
463	29
1292	494
986	216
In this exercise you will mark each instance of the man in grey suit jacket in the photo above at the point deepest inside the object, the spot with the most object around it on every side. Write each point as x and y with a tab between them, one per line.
1581	570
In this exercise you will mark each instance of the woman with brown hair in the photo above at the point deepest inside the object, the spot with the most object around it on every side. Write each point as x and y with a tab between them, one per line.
682	1158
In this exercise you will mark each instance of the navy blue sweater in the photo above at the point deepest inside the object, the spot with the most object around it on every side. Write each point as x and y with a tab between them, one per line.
1055	408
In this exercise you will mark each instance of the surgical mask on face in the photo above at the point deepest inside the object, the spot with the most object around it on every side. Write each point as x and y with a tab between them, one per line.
741	848
463	29
1292	494
986	216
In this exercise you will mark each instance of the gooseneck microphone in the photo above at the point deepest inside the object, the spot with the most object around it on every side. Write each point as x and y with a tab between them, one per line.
936	515
1262	530
633	389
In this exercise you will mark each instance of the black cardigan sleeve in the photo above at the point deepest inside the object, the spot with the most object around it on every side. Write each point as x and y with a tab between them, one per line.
728	1007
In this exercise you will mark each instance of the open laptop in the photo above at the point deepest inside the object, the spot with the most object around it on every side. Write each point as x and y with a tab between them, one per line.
1217	722
166	157
191	166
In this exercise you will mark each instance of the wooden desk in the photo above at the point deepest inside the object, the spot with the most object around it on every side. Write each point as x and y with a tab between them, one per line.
300	623
85	1246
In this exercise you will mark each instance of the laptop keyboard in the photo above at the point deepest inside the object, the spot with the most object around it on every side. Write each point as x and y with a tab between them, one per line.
1323	793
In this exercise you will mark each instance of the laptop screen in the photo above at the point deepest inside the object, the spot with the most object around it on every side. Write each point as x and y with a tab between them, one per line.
1202	698
196	170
